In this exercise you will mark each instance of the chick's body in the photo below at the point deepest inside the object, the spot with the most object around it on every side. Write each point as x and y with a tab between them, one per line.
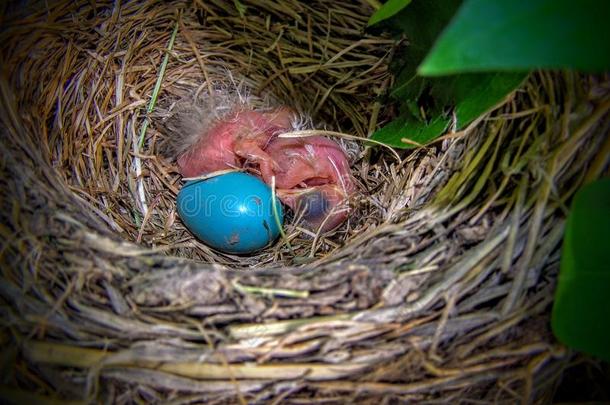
241	136
312	175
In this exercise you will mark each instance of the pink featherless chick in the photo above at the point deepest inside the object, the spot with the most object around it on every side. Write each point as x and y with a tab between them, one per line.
312	175
237	139
313	178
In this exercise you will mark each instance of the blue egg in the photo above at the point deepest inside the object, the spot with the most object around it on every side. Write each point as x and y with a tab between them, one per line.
231	212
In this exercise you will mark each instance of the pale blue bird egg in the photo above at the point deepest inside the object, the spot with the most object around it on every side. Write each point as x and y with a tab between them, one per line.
231	212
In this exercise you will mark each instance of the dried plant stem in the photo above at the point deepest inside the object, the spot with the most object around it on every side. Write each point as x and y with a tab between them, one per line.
600	162
316	132
69	356
137	146
274	328
272	292
375	4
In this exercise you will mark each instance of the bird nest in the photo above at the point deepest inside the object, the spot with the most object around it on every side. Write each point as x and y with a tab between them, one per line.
437	288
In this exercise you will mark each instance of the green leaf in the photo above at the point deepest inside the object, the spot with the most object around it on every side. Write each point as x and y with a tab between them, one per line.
421	23
478	93
581	312
406	126
468	95
390	8
523	35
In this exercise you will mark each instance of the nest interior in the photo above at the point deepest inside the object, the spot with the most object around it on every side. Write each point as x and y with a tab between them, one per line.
439	288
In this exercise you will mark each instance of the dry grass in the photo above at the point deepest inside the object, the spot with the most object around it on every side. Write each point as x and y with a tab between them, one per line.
100	84
437	290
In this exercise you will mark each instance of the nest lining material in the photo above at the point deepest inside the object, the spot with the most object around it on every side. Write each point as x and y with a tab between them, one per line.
103	82
444	295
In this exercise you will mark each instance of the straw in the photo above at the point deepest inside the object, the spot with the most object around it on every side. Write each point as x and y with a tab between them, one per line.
151	106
